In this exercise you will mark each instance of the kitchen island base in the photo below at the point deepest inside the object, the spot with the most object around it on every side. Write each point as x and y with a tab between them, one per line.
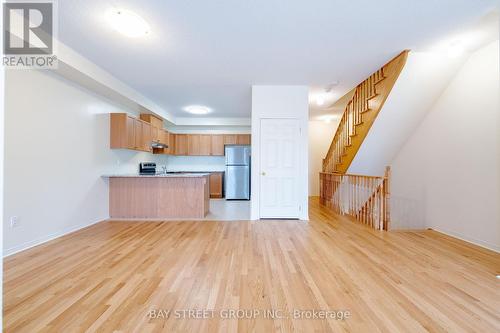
158	197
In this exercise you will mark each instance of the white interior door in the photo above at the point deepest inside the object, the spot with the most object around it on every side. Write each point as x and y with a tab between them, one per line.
279	168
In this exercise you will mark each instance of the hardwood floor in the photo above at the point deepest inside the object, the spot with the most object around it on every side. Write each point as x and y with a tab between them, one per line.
109	276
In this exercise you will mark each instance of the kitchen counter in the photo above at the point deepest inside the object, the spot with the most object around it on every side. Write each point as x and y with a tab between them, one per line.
160	175
168	196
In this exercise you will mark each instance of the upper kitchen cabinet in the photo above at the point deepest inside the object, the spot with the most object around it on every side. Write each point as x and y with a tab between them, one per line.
146	136
181	144
153	120
229	139
164	137
237	139
193	144
217	141
155	134
205	145
122	130
243	139
127	132
171	144
199	144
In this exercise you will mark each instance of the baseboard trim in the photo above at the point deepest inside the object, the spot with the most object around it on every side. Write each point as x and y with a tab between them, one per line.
477	242
28	245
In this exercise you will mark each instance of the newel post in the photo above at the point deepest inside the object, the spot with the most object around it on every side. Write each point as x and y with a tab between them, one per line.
387	197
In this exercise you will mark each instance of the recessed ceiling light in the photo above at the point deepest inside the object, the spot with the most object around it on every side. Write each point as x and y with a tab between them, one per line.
197	109
320	100
128	23
456	49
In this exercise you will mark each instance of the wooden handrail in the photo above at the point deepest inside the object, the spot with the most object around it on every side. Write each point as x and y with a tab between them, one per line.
360	113
366	198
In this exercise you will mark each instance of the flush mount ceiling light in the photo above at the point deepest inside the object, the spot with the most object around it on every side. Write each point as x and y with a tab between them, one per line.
197	109
128	23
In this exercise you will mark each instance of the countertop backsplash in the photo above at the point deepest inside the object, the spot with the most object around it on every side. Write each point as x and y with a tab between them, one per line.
196	163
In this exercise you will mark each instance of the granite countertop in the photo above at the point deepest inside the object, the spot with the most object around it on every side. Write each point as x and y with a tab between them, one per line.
158	175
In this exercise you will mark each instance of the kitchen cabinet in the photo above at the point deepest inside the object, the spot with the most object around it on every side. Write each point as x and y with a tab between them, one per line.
205	145
155	134
122	131
229	139
217	144
152	119
216	184
199	144
193	144
127	132
138	134
181	144
171	144
243	139
164	136
146	136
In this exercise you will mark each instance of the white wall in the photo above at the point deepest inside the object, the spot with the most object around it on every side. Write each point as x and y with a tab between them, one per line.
196	163
449	169
56	149
286	102
320	136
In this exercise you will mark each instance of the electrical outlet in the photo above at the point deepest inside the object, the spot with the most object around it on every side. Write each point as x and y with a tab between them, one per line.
14	221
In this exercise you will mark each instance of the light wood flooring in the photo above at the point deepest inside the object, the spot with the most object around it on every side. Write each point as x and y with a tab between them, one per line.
109	276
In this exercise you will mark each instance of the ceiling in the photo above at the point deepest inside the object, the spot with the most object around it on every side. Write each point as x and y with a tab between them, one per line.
212	52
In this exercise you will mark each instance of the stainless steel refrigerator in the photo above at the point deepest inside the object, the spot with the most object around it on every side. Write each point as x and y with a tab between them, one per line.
237	176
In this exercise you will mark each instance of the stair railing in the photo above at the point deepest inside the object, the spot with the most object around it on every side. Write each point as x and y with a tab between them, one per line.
351	118
365	198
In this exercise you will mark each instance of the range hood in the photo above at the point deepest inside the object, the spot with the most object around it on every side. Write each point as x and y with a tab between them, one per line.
155	144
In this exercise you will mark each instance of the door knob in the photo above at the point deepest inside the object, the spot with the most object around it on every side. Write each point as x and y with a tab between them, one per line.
263	173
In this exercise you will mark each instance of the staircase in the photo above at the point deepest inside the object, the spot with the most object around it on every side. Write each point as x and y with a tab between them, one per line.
360	113
365	198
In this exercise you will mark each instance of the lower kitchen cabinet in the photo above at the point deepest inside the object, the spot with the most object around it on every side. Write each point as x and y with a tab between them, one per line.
216	184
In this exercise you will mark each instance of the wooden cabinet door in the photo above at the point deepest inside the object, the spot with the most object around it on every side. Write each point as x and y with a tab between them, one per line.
171	144
155	134
205	145
243	139
229	139
216	185
193	144
217	148
181	144
130	132
138	134
164	136
146	137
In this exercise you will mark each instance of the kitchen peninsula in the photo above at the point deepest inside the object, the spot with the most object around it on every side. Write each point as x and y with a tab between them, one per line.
159	196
